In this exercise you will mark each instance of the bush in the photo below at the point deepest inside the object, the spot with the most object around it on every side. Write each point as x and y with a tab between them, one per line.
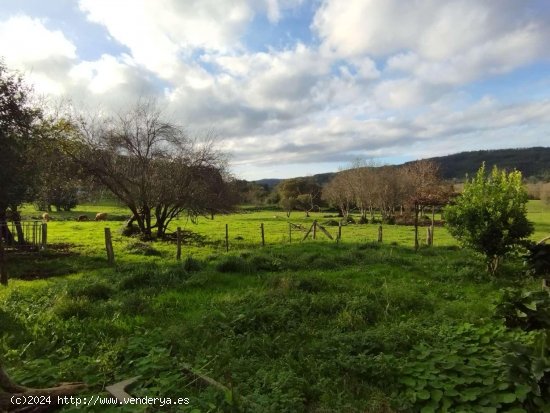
490	216
538	259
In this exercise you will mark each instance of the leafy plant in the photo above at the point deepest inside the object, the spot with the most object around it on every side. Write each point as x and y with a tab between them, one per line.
467	372
526	310
529	364
538	258
491	216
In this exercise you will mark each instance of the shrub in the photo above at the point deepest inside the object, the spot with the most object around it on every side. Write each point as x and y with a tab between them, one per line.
538	259
490	216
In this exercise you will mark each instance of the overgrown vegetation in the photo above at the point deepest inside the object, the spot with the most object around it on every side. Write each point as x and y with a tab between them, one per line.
311	327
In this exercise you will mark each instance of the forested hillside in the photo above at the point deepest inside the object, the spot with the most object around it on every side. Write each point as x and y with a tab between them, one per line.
531	162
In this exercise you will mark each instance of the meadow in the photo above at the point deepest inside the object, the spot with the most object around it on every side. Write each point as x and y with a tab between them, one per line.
312	326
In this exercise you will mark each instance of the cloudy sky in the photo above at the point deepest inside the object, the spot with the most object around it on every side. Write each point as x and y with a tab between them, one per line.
297	87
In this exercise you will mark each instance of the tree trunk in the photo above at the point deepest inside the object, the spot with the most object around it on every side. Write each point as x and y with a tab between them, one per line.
493	264
5	231
18	227
161	227
131	221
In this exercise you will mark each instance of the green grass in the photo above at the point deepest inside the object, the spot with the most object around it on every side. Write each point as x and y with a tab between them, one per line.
290	327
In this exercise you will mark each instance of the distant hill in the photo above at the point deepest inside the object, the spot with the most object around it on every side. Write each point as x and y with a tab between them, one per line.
532	162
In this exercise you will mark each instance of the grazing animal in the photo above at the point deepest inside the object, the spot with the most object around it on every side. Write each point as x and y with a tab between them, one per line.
46	217
101	216
82	218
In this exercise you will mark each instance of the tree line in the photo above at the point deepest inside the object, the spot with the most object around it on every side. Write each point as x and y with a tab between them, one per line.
362	188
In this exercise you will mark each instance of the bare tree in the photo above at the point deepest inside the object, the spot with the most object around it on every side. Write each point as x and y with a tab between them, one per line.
339	192
362	176
152	167
425	188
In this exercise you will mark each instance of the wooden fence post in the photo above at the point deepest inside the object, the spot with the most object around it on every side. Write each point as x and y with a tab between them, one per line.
109	247
3	269
380	233
433	226
339	231
314	229
34	235
178	241
226	237
44	235
289	233
263	237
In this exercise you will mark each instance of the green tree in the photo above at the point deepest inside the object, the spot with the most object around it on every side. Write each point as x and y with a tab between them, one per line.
18	174
60	178
301	193
490	216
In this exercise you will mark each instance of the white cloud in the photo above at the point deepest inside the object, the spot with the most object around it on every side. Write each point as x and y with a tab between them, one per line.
253	90
387	77
25	40
448	42
102	75
159	33
42	54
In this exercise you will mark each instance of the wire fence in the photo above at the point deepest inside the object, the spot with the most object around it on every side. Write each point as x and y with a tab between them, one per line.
23	235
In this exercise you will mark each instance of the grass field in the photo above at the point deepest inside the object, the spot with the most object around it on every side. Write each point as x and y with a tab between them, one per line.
289	327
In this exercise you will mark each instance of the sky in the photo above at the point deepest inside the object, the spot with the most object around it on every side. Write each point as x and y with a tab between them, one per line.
299	87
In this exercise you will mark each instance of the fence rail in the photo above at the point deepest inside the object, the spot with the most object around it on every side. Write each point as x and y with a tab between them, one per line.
24	235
